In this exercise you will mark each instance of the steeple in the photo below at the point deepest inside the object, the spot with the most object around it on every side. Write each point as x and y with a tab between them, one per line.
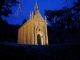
36	7
31	15
45	18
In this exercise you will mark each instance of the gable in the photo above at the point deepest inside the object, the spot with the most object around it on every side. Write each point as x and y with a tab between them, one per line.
38	17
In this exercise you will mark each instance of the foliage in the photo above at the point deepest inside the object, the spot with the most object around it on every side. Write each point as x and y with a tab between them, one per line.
8	32
24	21
66	28
60	36
69	17
45	52
5	7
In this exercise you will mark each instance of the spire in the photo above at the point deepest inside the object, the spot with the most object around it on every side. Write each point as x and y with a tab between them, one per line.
36	7
30	15
36	2
45	18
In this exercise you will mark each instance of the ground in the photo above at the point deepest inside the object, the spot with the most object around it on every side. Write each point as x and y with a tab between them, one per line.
13	51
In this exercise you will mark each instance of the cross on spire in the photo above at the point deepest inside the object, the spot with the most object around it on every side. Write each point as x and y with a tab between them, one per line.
36	7
36	1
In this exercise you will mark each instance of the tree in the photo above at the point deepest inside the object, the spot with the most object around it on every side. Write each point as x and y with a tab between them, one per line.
64	17
77	9
24	21
57	13
5	10
5	6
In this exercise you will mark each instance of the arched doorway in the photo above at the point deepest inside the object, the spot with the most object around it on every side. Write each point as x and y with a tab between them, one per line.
38	39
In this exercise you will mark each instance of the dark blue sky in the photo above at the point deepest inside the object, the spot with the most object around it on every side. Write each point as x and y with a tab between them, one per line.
28	5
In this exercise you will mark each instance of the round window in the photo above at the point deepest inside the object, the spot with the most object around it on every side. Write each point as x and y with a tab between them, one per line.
39	29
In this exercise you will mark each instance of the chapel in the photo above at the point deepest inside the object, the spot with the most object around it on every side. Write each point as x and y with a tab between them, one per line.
34	31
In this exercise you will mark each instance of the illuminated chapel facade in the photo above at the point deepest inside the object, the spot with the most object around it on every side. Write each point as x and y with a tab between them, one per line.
34	31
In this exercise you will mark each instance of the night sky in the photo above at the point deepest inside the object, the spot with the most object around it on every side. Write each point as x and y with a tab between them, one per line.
28	5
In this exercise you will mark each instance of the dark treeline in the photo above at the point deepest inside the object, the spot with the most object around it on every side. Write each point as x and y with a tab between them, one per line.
65	24
7	32
66	17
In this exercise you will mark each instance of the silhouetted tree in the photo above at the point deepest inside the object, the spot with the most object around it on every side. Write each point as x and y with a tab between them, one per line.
52	14
5	6
76	7
24	21
65	18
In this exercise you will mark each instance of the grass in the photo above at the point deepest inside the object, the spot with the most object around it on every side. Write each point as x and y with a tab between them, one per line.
33	52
